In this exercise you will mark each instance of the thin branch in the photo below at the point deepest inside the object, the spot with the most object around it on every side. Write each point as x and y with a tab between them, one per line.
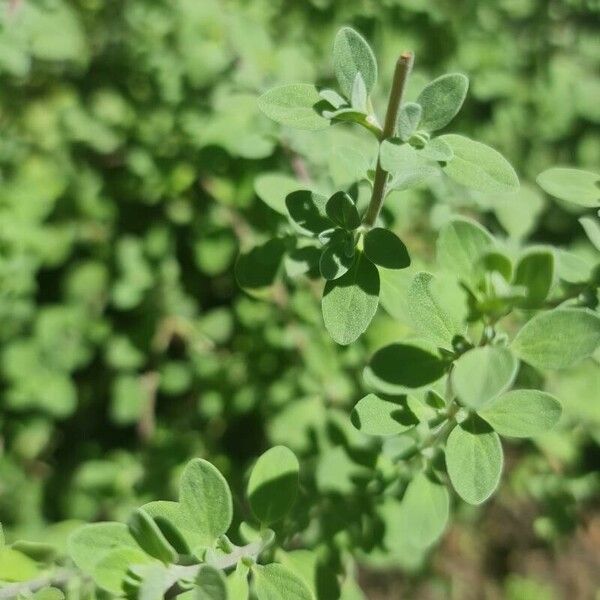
401	73
59	579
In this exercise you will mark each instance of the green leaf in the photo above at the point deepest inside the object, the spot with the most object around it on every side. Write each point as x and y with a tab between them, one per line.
110	571
535	272
259	267
437	308
386	249
206	499
337	258
359	94
424	510
352	55
460	245
210	584
302	261
333	98
522	413
571	185
15	566
441	100
49	593
88	544
149	537
591	226
397	368
483	373
409	116
276	582
350	302
294	105
237	583
558	339
340	208
272	189
479	167
273	484
474	460
405	165
437	149
308	210
383	417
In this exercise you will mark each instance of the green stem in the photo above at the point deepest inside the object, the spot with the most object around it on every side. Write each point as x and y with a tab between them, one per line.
401	73
58	579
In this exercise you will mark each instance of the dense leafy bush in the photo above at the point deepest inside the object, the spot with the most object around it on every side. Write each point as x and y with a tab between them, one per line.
136	166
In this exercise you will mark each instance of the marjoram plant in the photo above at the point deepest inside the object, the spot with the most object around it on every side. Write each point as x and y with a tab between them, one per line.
488	322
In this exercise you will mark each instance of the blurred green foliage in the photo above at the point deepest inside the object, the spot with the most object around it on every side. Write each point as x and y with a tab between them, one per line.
132	155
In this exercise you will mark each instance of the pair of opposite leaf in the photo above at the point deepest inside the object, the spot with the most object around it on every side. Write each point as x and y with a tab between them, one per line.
183	545
410	157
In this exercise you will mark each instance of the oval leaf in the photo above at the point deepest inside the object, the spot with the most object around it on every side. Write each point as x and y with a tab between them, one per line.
352	55
522	413
210	584
294	105
149	537
386	249
535	272
276	582
375	416
424	511
342	211
474	460
206	499
571	185
483	373
558	339
398	368
350	302
479	167
441	100
273	484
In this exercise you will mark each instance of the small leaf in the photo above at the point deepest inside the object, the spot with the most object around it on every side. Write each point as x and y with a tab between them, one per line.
437	308
111	569
558	339
294	105
571	185
259	267
206	499
149	537
89	543
341	209
302	261
441	100
308	210
424	510
350	302
377	416
335	259
479	167
397	368
15	566
237	583
409	116
483	373
591	226
522	413
406	166
437	149
474	460
333	98
210	584
386	249
49	593
276	582
535	272
359	94
272	189
460	245
273	484
352	55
